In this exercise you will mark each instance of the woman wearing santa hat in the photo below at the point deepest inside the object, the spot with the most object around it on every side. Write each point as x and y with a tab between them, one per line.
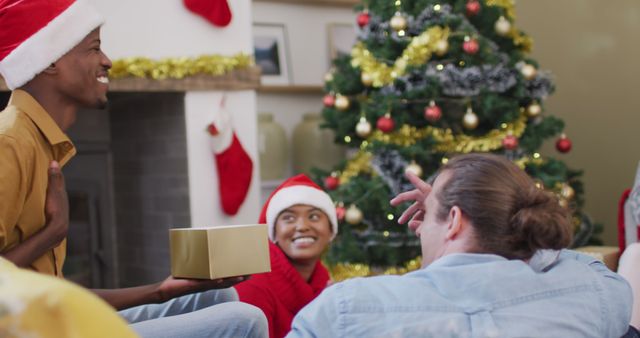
302	222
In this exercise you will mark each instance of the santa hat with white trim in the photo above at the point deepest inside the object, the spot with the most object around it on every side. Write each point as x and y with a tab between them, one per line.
36	33
299	189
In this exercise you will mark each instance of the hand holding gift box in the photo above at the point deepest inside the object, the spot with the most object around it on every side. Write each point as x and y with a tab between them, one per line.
219	252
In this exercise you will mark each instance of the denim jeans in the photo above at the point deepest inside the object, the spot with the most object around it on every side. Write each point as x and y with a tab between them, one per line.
214	313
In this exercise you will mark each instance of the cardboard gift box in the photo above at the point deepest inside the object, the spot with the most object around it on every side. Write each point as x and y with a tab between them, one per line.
219	252
609	255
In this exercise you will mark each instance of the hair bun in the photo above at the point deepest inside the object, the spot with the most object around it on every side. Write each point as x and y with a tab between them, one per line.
539	222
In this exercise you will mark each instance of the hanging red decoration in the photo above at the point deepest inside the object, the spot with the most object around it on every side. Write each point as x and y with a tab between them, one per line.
363	19
470	46
563	144
473	7
332	182
329	100
432	112
510	142
340	212
385	124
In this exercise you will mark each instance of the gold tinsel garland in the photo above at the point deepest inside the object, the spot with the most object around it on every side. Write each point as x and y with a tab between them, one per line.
418	52
343	271
520	40
359	164
508	5
179	68
447	142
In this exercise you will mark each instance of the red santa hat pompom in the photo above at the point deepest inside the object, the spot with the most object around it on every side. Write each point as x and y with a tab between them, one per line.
299	189
36	33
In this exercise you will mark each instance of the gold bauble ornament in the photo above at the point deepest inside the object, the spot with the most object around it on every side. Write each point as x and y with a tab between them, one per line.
470	120
398	22
366	79
342	102
442	47
328	77
353	215
528	71
563	203
539	184
502	26
414	168
567	192
534	109
363	128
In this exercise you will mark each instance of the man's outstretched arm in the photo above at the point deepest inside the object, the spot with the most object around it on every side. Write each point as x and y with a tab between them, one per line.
162	291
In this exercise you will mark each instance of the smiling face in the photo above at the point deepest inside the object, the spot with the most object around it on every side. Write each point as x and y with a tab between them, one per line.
83	73
303	232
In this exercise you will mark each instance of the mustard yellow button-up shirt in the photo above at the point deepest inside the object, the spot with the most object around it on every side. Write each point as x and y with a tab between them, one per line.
35	305
29	140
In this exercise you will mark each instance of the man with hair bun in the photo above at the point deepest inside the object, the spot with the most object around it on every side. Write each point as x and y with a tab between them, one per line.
494	265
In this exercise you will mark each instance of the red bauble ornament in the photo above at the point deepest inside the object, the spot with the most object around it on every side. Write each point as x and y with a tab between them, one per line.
563	144
385	124
471	46
473	7
331	182
329	100
340	212
213	131
510	142
363	19
432	112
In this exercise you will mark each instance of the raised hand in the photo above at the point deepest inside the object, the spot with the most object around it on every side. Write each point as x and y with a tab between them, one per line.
56	207
414	214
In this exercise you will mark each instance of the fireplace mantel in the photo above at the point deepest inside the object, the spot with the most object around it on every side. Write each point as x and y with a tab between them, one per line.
242	79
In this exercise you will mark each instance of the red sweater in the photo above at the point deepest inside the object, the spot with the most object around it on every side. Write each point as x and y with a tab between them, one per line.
282	292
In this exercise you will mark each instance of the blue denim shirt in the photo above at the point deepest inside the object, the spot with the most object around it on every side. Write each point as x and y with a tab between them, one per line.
559	294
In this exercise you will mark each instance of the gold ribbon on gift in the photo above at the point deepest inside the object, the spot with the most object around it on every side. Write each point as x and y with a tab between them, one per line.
418	52
179	68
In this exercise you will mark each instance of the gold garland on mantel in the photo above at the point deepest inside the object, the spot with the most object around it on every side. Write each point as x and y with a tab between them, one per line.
179	68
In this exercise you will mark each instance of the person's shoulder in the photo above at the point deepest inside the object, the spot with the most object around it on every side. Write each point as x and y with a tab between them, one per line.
14	124
367	286
16	129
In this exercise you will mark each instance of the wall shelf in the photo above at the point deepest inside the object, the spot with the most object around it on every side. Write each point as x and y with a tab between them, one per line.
291	89
243	79
347	3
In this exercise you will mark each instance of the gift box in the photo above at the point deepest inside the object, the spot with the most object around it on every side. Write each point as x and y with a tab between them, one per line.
219	252
609	255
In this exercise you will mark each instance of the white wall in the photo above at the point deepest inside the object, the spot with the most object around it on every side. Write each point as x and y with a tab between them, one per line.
165	28
306	27
307	31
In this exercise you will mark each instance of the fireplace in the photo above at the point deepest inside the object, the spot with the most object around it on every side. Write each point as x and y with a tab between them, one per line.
128	184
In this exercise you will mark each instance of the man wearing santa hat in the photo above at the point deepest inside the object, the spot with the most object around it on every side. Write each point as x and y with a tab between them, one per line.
51	59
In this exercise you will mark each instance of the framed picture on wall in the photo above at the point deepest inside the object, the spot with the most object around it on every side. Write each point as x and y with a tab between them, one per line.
271	50
342	37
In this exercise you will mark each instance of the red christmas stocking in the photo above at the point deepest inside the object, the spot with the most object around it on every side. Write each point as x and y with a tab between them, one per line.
215	11
235	167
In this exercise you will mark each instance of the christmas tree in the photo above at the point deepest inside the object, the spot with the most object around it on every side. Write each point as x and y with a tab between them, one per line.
426	80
